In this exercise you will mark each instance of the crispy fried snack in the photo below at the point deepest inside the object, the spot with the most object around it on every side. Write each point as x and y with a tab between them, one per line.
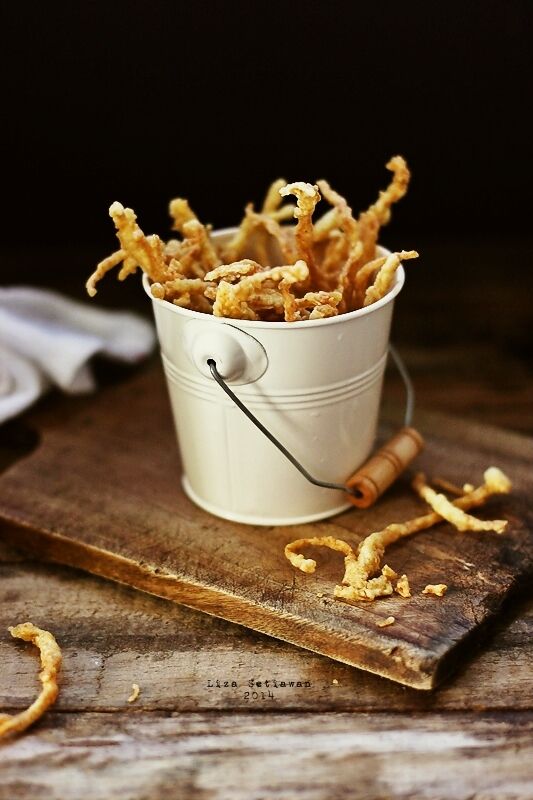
436	589
449	511
137	250
402	586
360	566
371	220
254	292
272	203
135	692
307	197
338	251
384	623
308	564
260	236
385	276
50	665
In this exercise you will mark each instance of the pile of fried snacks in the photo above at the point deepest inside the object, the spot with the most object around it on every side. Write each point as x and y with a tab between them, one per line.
50	666
269	269
364	578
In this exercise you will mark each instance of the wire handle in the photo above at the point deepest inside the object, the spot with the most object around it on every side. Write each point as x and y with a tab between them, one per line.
358	497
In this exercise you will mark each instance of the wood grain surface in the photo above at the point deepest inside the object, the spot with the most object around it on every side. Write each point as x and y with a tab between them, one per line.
361	737
101	492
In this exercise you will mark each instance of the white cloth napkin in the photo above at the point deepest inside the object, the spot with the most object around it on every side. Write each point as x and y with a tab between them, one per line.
47	340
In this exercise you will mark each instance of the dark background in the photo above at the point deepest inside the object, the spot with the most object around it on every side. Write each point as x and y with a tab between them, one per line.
142	101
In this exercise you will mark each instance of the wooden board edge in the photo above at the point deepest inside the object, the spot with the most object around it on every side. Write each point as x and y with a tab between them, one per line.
423	673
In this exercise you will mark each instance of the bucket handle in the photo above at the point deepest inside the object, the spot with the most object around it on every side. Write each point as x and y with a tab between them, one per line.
373	478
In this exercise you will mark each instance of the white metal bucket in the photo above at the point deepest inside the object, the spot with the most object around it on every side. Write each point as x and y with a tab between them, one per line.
315	384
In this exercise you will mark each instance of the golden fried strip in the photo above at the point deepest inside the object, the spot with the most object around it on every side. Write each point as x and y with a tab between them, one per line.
363	277
378	214
308	564
344	214
385	276
449	511
357	583
101	268
50	665
197	236
147	252
255	235
450	487
181	212
394	191
325	224
135	692
234	300
347	278
273	198
234	271
307	197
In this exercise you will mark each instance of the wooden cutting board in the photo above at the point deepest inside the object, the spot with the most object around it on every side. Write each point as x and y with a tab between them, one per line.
101	491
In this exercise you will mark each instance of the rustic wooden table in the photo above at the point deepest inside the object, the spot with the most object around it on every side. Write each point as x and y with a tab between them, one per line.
202	726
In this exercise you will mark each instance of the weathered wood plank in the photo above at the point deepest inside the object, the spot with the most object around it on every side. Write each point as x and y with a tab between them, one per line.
113	636
275	756
125	517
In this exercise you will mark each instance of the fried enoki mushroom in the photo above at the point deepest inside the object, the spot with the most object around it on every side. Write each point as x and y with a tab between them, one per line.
184	292
50	665
385	276
342	211
360	566
338	249
253	292
181	212
137	250
308	564
378	214
449	511
272	203
307	197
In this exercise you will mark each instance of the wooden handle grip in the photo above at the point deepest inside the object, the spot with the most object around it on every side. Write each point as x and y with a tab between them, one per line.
374	477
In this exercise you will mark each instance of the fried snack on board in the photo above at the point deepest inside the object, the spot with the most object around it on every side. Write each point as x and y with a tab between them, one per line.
402	586
338	249
358	582
384	623
449	511
436	589
135	692
50	666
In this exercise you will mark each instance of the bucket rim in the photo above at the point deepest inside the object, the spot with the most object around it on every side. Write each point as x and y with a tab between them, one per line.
187	313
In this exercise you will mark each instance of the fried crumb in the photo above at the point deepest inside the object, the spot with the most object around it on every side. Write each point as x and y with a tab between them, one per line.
388	572
134	693
384	623
437	589
320	594
402	587
335	682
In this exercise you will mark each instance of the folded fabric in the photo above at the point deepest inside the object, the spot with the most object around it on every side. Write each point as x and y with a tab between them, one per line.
48	340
